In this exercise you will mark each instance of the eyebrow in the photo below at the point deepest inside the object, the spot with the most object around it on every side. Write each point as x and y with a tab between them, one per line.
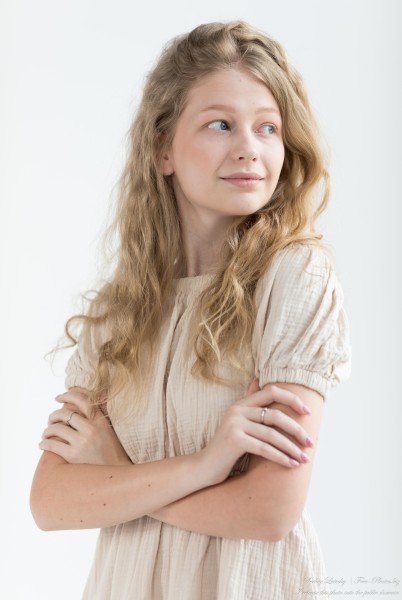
228	108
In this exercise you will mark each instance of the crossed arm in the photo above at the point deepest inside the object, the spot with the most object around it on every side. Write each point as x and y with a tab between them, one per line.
191	492
263	503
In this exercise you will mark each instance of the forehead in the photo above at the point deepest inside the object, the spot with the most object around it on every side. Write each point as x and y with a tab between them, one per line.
235	88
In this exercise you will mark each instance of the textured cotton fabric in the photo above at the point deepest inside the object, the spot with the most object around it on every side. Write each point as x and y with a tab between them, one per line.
300	336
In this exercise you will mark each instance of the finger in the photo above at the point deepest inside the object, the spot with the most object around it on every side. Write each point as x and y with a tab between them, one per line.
57	447
277	440
269	452
81	390
80	401
62	415
99	418
273	417
68	415
65	415
272	393
61	431
57	416
76	391
253	387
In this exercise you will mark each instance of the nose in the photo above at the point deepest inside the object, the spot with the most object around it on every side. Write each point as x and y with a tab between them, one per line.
244	146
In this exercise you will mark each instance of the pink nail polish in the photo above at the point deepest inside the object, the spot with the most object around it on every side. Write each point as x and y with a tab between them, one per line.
309	441
294	463
304	457
306	409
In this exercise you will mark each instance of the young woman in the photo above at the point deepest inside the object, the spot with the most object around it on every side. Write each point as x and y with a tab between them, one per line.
196	389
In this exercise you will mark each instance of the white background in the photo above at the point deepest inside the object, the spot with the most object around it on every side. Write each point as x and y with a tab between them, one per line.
71	73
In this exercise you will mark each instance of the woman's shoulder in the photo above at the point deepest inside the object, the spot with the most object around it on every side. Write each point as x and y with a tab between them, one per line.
299	266
317	253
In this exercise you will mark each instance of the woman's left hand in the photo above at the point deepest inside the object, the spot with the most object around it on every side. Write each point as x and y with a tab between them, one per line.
78	439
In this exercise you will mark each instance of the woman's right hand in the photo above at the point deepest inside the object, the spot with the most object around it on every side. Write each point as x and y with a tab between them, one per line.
80	438
249	426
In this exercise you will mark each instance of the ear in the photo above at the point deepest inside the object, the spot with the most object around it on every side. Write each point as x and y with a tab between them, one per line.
164	153
166	164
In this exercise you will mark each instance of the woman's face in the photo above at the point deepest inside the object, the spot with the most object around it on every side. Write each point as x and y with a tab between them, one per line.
227	152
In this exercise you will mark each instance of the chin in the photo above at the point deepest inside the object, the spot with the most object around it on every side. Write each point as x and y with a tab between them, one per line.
246	211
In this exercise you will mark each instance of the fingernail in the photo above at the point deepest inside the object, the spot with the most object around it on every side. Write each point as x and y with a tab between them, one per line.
306	409
304	457
294	463
309	441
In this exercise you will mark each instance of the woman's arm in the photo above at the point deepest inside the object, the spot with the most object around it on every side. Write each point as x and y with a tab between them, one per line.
263	503
73	496
82	496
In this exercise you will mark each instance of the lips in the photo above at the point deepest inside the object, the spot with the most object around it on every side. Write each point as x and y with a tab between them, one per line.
244	180
243	175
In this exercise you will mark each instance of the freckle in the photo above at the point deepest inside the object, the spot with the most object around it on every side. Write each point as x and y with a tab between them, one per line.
250	497
61	519
81	521
92	493
104	505
149	485
110	476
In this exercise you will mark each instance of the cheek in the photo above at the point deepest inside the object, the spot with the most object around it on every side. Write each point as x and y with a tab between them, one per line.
277	158
281	160
200	162
201	154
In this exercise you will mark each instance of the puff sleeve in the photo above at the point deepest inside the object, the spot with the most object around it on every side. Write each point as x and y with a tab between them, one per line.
301	332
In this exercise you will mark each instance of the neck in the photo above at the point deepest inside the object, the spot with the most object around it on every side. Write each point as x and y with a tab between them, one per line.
203	246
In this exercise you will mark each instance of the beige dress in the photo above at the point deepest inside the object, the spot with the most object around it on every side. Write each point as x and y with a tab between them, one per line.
300	336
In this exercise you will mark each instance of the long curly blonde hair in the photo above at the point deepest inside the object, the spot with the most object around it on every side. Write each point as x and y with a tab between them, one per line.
150	251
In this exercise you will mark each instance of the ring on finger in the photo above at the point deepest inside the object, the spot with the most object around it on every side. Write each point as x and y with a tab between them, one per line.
74	412
262	416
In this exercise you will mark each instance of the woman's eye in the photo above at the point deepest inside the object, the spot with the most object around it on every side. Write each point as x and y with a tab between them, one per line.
218	125
267	128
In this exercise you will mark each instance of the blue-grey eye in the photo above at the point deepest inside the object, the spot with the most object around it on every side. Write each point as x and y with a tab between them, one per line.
268	128
218	125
